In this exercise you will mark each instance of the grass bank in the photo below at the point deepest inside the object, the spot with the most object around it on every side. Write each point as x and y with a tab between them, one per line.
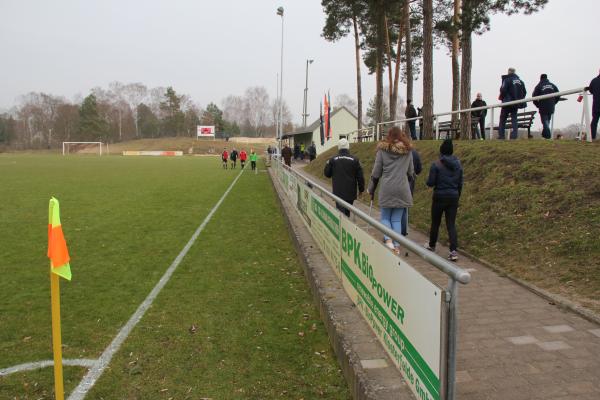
530	207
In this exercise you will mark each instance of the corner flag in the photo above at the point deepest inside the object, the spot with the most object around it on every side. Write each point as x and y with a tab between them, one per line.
57	246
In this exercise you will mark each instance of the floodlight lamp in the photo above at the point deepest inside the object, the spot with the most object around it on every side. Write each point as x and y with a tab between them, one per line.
280	11
310	61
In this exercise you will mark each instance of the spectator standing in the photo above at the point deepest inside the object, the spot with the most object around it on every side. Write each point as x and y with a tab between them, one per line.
346	174
546	106
296	151
446	179
418	167
224	157
243	158
513	88
269	152
420	114
393	165
302	151
286	153
253	158
594	89
479	102
312	151
410	112
233	156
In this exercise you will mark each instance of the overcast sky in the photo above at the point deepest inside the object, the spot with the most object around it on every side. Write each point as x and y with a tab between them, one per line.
211	49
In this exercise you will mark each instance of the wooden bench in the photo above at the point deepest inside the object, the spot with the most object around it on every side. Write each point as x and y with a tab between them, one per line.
451	131
524	120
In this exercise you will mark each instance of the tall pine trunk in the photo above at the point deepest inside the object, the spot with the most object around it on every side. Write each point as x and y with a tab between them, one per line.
455	66
379	63
358	79
428	69
407	35
465	84
394	101
388	50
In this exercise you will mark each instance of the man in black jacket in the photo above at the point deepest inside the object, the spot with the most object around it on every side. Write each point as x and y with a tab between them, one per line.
479	102
546	106
594	89
513	88
346	173
410	112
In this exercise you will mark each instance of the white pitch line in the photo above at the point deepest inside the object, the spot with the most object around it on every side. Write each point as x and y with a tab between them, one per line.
96	371
77	362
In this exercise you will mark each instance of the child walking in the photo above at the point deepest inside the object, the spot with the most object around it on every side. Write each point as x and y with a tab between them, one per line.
446	179
224	157
253	158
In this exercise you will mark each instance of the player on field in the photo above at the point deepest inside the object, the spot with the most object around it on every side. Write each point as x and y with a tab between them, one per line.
243	158
224	157
253	158
233	156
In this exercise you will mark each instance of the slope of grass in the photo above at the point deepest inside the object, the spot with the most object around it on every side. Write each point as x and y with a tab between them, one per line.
530	207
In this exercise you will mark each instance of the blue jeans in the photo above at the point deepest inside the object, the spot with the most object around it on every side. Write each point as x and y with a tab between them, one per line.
546	134
412	125
503	117
392	218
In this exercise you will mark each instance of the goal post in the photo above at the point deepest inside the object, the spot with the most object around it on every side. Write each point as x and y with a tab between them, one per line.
66	146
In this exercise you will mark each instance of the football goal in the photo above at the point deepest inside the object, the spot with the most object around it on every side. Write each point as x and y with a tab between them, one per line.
83	148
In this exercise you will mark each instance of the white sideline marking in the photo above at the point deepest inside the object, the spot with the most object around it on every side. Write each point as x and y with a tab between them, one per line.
77	362
96	371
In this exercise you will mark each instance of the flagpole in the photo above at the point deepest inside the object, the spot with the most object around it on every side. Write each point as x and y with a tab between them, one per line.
56	339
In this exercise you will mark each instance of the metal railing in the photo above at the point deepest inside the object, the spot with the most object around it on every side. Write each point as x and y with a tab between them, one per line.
455	274
585	117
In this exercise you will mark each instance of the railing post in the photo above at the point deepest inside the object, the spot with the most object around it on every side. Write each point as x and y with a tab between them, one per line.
437	127
586	117
492	123
452	335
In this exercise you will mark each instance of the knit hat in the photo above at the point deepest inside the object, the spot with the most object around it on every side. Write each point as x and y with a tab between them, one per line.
343	144
447	148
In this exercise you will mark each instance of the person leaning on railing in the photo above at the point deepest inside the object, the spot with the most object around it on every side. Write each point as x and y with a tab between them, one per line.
513	88
545	106
479	102
594	89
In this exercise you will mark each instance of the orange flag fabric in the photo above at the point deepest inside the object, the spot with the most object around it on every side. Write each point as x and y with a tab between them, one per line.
57	245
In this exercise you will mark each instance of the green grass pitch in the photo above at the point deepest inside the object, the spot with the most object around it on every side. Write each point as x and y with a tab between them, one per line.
125	220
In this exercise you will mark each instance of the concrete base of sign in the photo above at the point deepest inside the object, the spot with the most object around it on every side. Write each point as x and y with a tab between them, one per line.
353	342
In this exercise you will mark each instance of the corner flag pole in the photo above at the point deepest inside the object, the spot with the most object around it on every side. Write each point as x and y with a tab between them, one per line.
56	338
59	267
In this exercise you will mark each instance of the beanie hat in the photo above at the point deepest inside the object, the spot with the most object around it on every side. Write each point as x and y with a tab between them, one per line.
543	76
343	144
447	148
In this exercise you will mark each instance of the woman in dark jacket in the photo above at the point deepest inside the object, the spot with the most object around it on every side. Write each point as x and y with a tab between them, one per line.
446	179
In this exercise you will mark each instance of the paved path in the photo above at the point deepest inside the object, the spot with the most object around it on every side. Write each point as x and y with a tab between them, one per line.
513	344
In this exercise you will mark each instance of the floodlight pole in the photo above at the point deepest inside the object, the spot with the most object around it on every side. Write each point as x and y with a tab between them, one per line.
305	105
280	134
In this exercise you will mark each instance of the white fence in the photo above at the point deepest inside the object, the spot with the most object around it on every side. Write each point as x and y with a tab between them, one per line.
375	132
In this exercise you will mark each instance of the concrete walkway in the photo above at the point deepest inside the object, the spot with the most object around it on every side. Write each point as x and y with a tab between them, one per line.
514	344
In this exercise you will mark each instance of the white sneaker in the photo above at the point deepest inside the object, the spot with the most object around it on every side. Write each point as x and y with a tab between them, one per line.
389	244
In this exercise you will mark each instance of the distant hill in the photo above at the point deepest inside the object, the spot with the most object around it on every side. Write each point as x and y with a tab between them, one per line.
530	207
191	145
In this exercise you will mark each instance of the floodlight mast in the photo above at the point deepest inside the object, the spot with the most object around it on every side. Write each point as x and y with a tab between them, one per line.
280	112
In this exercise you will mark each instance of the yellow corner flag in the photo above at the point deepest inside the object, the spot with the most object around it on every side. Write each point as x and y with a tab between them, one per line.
59	266
57	246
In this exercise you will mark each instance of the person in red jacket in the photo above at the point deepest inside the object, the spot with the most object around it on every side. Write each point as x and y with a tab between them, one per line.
224	157
243	157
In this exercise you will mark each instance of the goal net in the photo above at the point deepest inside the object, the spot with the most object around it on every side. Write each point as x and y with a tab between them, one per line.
83	148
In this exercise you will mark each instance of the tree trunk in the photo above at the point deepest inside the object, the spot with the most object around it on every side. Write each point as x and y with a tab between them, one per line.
379	62
358	79
455	66
388	50
394	99
407	34
465	84
428	69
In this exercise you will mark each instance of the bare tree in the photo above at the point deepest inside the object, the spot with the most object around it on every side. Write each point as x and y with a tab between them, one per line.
257	109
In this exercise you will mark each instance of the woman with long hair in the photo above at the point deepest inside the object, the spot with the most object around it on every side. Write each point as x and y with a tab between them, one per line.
393	165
